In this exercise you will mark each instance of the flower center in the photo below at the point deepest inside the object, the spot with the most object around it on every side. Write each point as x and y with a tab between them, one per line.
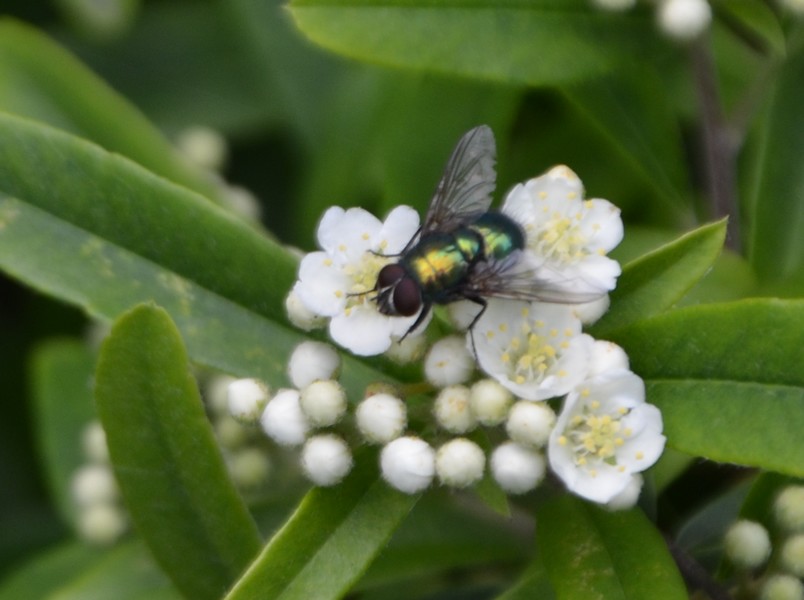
560	238
595	436
532	353
363	277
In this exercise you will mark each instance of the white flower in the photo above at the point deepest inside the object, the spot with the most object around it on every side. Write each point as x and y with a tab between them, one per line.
283	420
605	433
535	350
323	402
460	463
381	418
789	508
326	459
453	411
408	464
203	147
530	423
246	399
517	469
782	587
94	484
684	19
448	362
409	350
629	496
590	312
216	394
747	544
489	401
311	361
606	356
566	237
336	282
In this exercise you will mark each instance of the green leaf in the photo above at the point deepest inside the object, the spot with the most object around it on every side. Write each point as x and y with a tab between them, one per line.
775	192
42	81
755	21
48	571
727	379
326	545
659	279
61	375
757	425
126	572
634	113
535	43
164	454
532	584
592	553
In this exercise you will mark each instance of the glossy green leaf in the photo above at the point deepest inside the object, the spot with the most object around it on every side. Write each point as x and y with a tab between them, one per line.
536	43
42	81
727	378
532	584
755	21
48	571
61	376
164	454
654	282
756	425
591	553
775	193
633	112
330	540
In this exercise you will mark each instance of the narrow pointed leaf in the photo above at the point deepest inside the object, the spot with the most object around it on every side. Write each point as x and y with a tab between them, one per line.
659	279
164	454
591	553
42	81
330	540
536	43
61	376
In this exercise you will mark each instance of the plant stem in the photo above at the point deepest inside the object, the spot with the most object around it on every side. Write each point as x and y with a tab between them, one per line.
719	148
696	577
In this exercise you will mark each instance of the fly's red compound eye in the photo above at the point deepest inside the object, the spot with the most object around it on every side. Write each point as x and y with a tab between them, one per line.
407	297
389	275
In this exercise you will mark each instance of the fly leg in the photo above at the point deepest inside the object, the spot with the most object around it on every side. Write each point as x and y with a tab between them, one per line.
471	329
422	316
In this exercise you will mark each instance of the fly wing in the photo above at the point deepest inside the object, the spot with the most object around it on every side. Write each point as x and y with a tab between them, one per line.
515	279
465	189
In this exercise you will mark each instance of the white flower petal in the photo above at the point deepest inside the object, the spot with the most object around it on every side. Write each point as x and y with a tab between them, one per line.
322	286
363	331
399	227
348	234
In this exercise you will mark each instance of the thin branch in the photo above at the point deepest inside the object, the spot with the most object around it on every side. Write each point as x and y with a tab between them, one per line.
696	577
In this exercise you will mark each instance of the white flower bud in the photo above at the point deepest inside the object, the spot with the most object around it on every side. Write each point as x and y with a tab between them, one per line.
249	467
301	316
782	587
684	19
283	420
101	524
747	544
246	399
793	555
460	463
789	508
517	469
381	418
448	362
94	484
409	350
93	442
408	464
453	411
203	147
530	423
462	313
230	433
326	459
590	312
242	202
216	394
324	402
313	361
490	402
629	496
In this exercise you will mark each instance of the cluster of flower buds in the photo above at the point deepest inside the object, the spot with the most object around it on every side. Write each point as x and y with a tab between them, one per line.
748	547
550	393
